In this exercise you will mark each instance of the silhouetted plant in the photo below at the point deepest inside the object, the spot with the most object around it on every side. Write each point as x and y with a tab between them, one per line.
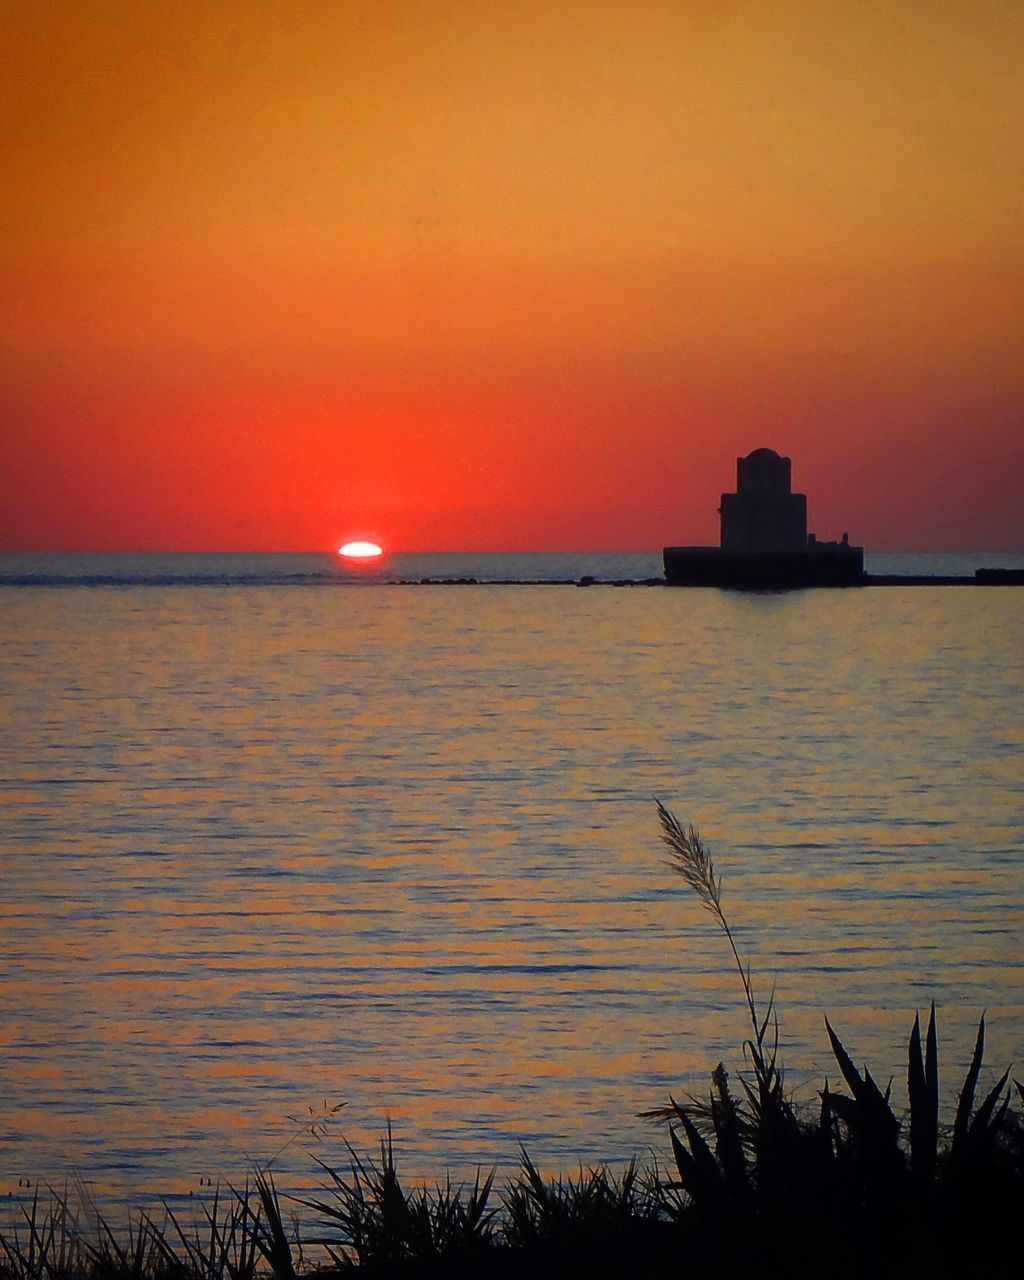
855	1171
596	1203
596	1223
760	1134
377	1224
46	1247
133	1256
267	1227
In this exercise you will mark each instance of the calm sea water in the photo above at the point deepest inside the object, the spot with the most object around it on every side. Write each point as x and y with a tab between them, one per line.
266	848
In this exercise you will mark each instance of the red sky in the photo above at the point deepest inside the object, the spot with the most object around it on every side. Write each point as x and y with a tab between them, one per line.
494	275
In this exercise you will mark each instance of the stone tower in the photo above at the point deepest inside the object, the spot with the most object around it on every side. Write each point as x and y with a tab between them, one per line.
763	514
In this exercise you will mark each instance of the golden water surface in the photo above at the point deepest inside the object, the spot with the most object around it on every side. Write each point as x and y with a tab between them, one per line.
268	848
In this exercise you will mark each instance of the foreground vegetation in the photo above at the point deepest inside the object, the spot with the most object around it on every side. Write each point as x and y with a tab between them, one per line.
758	1186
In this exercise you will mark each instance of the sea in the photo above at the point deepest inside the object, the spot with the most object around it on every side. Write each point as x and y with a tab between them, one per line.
294	854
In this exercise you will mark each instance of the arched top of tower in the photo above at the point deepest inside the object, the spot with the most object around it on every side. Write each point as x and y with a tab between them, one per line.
764	471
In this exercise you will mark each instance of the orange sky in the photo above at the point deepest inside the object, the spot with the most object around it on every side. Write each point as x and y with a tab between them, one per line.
481	275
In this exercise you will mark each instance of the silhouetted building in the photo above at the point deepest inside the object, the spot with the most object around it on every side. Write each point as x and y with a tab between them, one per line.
764	514
764	538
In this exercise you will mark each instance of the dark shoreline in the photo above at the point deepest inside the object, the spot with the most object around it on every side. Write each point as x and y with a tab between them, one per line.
981	578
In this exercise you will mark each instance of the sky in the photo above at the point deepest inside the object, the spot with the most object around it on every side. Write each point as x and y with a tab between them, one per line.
524	276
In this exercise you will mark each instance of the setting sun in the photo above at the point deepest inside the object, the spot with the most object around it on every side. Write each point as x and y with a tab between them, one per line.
361	551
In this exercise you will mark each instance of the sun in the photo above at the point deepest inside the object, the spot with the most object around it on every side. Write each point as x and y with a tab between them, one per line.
360	550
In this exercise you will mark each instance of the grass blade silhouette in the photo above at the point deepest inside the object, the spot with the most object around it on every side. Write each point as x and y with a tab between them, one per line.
923	1095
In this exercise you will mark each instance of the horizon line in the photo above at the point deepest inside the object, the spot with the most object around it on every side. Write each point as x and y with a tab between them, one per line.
408	551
